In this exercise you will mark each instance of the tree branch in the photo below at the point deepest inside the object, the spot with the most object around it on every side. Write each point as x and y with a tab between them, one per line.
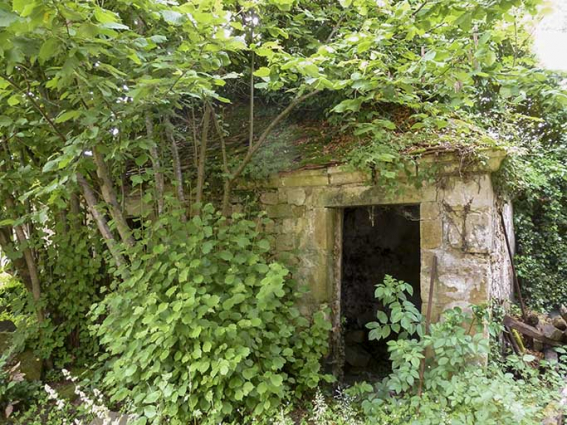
36	106
156	165
176	162
100	221
109	196
18	263
269	130
30	262
230	178
203	155
251	112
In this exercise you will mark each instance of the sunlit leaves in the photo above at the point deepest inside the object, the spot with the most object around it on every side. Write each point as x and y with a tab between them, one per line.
210	318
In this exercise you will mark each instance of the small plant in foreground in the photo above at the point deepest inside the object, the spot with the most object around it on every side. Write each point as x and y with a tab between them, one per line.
460	387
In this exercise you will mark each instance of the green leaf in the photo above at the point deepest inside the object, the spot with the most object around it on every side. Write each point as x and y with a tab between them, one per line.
262	72
130	370
48	49
14	100
141	160
172	17
105	16
152	397
66	116
5	121
19	5
183	275
150	412
114	26
7	18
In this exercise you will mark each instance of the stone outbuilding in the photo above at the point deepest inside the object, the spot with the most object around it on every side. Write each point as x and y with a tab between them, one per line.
344	231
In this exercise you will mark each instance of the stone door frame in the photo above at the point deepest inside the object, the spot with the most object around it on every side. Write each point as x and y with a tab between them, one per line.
335	282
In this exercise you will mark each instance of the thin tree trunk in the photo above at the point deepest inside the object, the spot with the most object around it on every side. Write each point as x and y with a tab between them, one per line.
226	171
30	263
75	211
109	196
195	143
176	163
251	118
100	221
19	264
203	156
156	165
227	189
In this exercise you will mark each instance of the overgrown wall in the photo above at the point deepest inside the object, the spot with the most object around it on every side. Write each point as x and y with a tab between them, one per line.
460	224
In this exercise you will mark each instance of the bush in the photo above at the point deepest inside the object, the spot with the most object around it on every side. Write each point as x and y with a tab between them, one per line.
204	327
538	184
458	388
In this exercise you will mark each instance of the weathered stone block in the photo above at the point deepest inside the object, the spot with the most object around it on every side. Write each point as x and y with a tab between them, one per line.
269	198
352	196
339	176
316	270
431	234
270	227
559	323
552	332
476	192
357	356
289	225
280	211
469	231
305	178
285	242
30	364
296	196
355	336
430	211
460	278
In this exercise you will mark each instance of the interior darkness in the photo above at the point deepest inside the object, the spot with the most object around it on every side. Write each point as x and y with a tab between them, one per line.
377	241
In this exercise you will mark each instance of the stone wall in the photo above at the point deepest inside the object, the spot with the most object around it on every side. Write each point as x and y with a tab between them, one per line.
460	224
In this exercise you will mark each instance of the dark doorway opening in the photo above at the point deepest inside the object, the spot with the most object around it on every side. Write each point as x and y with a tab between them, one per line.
377	240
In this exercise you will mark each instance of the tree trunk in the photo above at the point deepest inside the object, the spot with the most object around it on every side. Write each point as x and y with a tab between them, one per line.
109	196
156	165
19	264
202	157
176	163
75	211
30	263
100	221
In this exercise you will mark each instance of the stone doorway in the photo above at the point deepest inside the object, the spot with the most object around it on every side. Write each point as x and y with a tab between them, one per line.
376	241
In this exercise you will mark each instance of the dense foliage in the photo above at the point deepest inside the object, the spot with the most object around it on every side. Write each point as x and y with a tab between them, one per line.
541	227
113	138
204	326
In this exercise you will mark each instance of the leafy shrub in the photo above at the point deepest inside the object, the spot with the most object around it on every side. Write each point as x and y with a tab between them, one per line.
204	327
72	280
540	221
458	389
11	292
